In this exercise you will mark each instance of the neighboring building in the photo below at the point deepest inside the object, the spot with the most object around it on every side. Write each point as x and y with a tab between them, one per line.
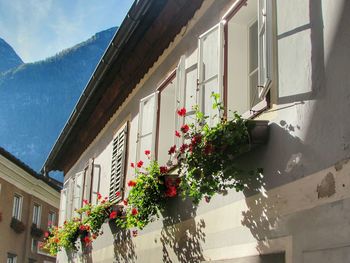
29	203
278	60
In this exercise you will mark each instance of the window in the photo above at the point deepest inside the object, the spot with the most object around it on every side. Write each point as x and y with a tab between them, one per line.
37	215
51	219
11	258
34	245
77	192
17	206
147	126
118	163
248	57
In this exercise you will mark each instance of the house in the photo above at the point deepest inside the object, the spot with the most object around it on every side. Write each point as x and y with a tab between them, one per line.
281	61
29	205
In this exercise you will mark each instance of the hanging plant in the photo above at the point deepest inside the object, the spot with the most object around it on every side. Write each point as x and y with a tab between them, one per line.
17	225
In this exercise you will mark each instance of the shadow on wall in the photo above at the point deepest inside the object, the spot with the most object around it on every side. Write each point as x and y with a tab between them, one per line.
124	248
326	132
181	235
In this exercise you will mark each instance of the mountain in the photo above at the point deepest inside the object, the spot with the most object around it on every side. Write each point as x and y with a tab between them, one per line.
37	98
8	57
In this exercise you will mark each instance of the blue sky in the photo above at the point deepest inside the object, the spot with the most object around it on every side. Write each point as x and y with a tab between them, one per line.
37	29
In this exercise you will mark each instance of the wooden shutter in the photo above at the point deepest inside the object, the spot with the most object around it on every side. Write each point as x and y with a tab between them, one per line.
210	68
147	126
88	179
77	192
95	188
265	46
63	204
118	163
70	194
180	94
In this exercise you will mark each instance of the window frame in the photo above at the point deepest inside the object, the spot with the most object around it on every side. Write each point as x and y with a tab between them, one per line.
266	101
11	258
38	214
53	222
20	205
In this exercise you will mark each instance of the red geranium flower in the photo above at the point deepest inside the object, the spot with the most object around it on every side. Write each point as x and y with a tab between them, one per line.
46	234
125	202
139	164
117	194
183	148
134	211
172	149
185	128
181	112
131	183
134	233
56	240
207	199
163	169
147	152
132	165
113	215
177	134
208	149
171	191
85	202
87	240
94	236
196	139
99	196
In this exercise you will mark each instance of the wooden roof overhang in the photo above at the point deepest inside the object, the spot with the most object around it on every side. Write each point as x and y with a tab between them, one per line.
145	33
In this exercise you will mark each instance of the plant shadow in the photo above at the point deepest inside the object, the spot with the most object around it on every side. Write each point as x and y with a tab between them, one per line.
181	235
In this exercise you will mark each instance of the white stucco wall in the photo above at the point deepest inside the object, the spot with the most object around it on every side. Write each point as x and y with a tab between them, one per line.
304	208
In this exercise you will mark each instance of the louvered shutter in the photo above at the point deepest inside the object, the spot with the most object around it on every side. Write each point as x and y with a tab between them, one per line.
147	126
88	180
95	188
118	163
180	95
265	46
210	68
63	205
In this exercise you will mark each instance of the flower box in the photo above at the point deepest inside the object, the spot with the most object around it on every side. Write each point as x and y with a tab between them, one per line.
36	232
258	131
17	225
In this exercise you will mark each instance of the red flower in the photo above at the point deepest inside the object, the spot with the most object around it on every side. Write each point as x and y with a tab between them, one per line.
181	112
99	196
134	233
132	165
185	128
117	194
131	183
177	134
85	202
103	201
172	149
113	215
163	169
82	228
134	211
88	213
46	234
125	202
196	139
208	149
139	164
147	152
183	148
207	199
94	236
87	240
171	191
56	240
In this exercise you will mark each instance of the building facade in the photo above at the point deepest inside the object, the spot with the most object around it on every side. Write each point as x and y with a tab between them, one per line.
29	204
281	61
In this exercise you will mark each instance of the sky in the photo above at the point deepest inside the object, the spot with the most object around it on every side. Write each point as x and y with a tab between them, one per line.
37	29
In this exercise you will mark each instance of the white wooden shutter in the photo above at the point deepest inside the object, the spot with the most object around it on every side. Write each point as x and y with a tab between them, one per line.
70	193
210	68
88	179
180	95
63	205
118	163
147	126
78	191
265	46
95	188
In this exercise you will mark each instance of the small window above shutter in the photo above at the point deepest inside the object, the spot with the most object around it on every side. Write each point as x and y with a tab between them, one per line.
265	46
118	163
147	126
210	67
